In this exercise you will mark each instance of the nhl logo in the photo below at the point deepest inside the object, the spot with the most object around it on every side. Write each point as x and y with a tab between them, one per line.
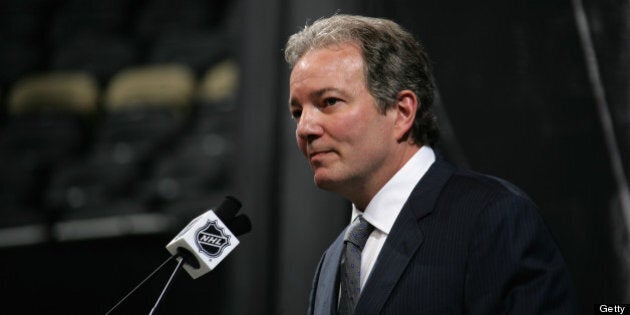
211	239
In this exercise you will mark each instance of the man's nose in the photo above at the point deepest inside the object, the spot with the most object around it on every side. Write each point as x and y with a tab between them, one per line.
309	125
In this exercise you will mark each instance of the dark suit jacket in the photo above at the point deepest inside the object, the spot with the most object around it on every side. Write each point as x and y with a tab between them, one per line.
464	243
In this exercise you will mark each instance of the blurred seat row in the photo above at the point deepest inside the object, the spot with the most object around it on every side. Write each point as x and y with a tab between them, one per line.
154	138
113	107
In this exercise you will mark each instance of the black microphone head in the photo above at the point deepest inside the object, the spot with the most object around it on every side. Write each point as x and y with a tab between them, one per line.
240	225
227	209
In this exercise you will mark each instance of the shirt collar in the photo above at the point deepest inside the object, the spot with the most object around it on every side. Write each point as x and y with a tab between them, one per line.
385	206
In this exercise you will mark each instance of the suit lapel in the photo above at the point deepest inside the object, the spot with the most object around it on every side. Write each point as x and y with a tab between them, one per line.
404	239
327	288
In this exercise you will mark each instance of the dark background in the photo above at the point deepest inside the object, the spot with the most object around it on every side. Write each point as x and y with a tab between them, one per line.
516	100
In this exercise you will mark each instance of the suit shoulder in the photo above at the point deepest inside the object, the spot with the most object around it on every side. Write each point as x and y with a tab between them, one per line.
469	182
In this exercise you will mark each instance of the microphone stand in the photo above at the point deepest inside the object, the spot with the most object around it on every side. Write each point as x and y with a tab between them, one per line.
167	285
179	264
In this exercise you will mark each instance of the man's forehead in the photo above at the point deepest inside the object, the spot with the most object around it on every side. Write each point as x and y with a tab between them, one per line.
327	62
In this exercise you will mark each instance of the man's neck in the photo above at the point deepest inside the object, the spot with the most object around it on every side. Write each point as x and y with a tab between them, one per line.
362	196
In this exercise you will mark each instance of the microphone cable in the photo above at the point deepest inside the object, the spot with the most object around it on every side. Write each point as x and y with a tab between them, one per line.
167	285
145	280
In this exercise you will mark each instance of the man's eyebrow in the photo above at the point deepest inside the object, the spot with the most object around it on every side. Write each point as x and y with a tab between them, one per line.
326	90
316	94
293	102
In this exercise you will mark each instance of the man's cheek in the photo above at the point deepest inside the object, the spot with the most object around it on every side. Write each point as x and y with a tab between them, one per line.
301	145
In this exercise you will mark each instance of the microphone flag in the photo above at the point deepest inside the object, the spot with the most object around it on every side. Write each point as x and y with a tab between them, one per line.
203	244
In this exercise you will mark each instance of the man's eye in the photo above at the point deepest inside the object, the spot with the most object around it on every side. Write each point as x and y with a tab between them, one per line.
296	113
330	101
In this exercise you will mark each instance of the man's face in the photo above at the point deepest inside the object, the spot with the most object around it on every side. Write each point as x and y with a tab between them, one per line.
339	129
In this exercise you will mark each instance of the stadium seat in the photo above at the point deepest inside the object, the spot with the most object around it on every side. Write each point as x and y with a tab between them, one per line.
48	116
144	110
47	122
165	86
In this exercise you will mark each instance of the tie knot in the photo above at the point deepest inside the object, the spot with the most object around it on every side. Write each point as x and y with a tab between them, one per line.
359	232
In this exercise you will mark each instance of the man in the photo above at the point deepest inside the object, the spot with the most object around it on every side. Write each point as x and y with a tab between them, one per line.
440	240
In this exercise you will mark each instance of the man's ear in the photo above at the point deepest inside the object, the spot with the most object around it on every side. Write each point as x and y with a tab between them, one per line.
406	109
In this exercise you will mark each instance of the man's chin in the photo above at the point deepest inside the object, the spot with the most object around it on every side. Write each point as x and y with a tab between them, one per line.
325	183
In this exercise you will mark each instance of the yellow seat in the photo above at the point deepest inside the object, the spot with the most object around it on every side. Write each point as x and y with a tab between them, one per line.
160	86
54	91
219	83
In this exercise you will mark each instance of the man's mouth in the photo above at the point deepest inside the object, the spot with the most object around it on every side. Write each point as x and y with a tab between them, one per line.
317	155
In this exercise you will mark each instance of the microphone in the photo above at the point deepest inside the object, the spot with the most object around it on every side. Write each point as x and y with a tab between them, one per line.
210	237
202	244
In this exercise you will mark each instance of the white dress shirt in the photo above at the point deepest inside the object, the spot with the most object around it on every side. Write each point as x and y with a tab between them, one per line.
384	208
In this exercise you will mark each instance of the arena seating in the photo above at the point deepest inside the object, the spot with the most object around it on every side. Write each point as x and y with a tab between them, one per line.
112	108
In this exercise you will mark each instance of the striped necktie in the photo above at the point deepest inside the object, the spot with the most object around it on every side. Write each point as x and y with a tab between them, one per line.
350	266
